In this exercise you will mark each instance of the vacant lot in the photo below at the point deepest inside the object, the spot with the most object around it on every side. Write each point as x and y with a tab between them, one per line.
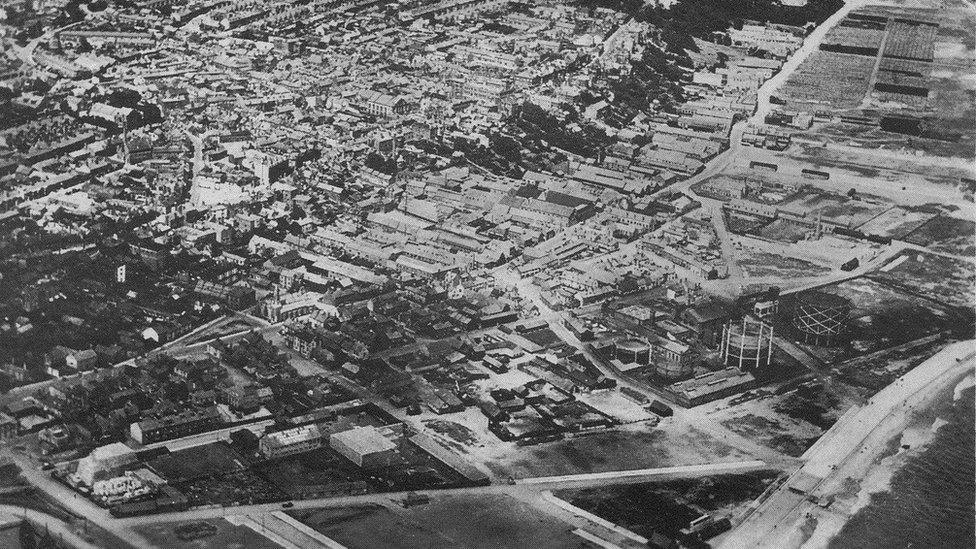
877	370
943	279
898	222
885	316
946	234
199	461
227	536
756	263
635	448
643	508
789	437
472	522
319	473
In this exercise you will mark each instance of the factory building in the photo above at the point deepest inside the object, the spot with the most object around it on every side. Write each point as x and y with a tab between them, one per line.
368	447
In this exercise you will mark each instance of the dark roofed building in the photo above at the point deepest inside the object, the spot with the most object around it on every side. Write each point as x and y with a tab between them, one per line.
706	321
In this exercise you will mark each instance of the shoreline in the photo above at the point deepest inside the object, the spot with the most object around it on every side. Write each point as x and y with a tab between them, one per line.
917	432
819	498
918	435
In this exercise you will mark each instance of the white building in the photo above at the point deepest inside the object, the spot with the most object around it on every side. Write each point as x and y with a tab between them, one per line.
103	461
367	447
291	441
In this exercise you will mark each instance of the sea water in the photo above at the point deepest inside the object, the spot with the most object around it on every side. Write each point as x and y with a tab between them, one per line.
930	503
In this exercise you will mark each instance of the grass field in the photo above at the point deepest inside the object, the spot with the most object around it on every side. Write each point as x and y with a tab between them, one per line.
885	316
636	448
473	522
667	506
943	279
227	536
946	234
199	461
757	264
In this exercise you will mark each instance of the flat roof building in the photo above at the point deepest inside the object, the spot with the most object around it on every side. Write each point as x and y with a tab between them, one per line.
367	447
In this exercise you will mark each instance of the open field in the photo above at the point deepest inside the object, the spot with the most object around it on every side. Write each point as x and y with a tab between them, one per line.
889	172
885	316
899	221
616	450
199	461
904	75
943	279
235	488
876	370
758	264
475	522
784	231
791	440
10	538
225	535
318	473
666	506
946	234
789	423
833	207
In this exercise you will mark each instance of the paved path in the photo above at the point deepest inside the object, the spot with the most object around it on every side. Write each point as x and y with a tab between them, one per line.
647	474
